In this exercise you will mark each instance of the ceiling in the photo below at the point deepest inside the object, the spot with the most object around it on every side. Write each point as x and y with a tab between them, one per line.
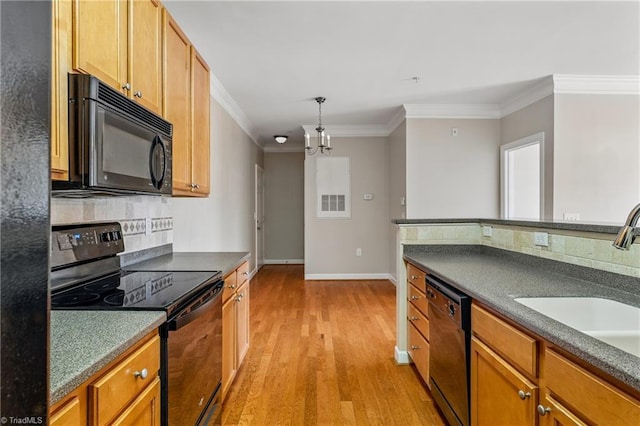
273	58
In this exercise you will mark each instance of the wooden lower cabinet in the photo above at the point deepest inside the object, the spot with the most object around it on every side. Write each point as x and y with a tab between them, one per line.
235	323
67	413
500	395
419	352
125	392
418	321
518	378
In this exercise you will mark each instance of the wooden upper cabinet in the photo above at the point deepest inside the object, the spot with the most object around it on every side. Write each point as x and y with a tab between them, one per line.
176	106
60	66
119	42
100	40
200	129
145	53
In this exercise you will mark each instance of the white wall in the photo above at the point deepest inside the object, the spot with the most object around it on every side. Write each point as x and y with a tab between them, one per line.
597	152
223	221
330	244
535	118
452	176
397	188
284	207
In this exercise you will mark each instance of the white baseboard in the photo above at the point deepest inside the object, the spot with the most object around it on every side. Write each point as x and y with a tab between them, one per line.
347	276
284	261
402	357
393	280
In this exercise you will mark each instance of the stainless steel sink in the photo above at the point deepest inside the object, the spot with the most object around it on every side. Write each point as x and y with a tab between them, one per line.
612	322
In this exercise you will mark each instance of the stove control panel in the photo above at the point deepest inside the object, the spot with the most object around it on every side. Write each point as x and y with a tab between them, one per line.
84	242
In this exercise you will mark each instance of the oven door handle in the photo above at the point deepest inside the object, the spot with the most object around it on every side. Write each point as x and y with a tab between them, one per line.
197	308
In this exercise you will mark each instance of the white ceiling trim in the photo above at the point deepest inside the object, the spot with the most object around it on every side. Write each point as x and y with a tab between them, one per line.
283	149
350	130
528	96
225	100
596	84
397	120
452	110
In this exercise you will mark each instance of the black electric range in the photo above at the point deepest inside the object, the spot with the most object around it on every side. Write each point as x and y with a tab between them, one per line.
86	274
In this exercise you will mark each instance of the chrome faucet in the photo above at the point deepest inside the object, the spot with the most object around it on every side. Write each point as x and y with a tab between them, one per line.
627	234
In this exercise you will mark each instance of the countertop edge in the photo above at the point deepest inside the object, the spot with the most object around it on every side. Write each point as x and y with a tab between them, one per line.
602	228
611	361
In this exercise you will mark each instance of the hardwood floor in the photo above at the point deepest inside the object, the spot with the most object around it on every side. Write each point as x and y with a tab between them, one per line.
322	354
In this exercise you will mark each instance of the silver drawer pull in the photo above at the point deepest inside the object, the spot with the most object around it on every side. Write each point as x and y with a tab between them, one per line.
414	347
543	410
138	94
413	318
524	395
414	277
142	374
415	297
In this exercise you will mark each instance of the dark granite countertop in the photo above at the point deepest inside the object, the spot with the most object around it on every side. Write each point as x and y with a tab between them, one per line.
604	228
194	261
83	342
496	277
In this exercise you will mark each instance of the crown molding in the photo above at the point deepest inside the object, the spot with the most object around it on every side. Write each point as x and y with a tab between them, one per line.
452	110
396	120
596	84
350	130
282	149
225	100
526	97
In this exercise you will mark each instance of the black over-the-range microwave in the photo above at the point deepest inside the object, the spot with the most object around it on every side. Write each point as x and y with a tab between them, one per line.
116	146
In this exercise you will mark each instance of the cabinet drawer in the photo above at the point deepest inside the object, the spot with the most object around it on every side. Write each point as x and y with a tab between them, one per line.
67	414
119	386
419	300
419	321
589	396
230	286
419	352
243	273
519	348
416	277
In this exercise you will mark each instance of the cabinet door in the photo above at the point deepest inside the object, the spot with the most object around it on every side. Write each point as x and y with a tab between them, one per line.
145	53
68	414
200	104
557	415
243	323
177	100
100	40
60	67
419	352
228	343
500	395
145	410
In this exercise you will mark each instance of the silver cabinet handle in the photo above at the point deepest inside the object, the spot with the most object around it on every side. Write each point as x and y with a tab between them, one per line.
245	273
415	297
413	318
414	277
138	94
414	347
126	86
543	410
232	286
142	374
524	395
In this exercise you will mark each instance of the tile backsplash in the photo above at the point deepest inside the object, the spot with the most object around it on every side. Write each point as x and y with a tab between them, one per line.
146	220
592	250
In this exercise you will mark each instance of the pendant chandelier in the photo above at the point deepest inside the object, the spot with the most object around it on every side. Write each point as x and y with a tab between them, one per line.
323	143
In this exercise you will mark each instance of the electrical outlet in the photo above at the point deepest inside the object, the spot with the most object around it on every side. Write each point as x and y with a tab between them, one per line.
487	231
358	252
541	239
571	216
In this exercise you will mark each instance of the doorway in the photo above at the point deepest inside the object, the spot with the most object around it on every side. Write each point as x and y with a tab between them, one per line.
522	178
259	217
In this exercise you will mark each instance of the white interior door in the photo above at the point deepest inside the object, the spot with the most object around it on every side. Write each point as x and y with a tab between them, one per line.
522	175
259	217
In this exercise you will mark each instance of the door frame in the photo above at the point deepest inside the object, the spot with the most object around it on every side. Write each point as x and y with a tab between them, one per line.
259	175
537	138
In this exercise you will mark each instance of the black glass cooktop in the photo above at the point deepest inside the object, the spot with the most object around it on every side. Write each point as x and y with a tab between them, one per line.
135	290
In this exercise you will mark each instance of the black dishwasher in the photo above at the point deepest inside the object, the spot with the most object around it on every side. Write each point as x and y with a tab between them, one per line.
450	334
